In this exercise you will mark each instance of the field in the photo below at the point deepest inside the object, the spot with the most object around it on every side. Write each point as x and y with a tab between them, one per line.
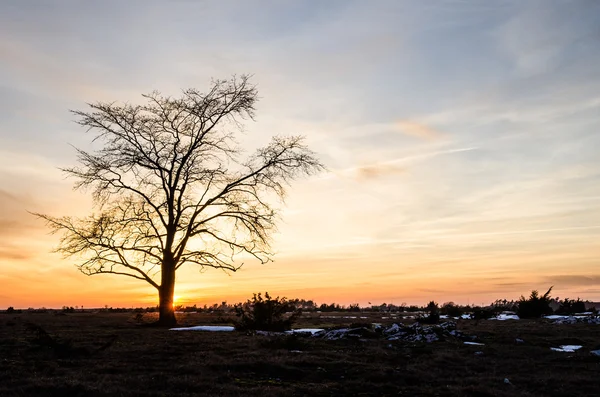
103	354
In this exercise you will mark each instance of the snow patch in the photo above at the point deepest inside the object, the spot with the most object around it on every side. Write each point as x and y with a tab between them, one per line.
503	317
474	344
566	348
212	328
558	319
311	331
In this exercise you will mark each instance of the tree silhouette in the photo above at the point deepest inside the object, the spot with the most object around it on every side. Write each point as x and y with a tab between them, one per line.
169	187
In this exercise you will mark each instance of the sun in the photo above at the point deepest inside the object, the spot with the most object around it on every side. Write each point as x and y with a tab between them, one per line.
176	300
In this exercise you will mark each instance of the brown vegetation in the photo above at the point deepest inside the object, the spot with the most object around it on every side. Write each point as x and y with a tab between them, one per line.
107	354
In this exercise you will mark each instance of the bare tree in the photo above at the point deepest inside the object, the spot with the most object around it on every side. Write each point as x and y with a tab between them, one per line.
170	189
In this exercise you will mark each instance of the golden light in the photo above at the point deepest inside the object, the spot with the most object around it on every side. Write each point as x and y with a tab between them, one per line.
176	300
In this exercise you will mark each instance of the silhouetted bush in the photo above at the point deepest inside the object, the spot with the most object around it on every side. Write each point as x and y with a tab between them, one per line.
504	305
10	310
266	314
535	306
484	313
571	306
138	318
451	309
334	307
434	314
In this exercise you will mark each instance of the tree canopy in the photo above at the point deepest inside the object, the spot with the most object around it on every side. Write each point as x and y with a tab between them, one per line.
171	188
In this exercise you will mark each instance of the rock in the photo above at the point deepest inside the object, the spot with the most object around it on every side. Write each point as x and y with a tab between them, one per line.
395	328
578	319
398	332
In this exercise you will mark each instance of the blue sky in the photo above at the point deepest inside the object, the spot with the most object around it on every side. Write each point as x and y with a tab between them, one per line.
461	137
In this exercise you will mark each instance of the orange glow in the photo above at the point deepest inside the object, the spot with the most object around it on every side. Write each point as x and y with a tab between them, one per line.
176	300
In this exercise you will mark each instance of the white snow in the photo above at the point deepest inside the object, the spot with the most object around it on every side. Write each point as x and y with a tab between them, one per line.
555	317
304	331
474	344
212	328
563	317
465	316
566	348
268	333
506	317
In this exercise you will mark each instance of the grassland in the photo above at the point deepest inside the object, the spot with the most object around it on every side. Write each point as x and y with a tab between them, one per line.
102	354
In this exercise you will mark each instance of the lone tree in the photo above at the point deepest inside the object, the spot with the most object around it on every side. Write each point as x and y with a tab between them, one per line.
170	189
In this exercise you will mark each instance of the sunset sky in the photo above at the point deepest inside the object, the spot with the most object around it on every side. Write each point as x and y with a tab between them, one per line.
462	140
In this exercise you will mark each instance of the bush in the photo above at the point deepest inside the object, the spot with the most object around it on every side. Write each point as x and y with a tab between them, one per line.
484	313
535	306
570	306
265	314
451	309
434	314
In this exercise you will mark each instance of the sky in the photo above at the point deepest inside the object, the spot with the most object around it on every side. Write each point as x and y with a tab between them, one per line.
462	141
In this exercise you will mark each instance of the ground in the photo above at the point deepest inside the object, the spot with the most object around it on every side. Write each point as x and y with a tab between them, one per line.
103	354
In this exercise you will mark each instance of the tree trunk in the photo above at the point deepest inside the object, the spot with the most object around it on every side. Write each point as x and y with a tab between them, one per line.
165	294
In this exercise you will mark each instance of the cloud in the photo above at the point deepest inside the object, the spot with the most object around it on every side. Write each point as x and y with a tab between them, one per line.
6	197
14	254
14	220
373	171
418	130
391	167
433	291
574	280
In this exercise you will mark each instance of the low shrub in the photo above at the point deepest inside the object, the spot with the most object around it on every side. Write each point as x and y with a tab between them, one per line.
265	314
484	313
571	306
451	309
434	314
535	306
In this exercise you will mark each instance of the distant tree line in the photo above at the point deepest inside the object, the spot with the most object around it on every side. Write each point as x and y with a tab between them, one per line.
535	305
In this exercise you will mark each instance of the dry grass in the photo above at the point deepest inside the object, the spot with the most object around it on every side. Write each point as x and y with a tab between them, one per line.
110	355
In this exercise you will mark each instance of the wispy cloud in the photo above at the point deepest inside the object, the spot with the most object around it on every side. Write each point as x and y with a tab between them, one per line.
392	167
374	171
574	280
14	254
418	130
